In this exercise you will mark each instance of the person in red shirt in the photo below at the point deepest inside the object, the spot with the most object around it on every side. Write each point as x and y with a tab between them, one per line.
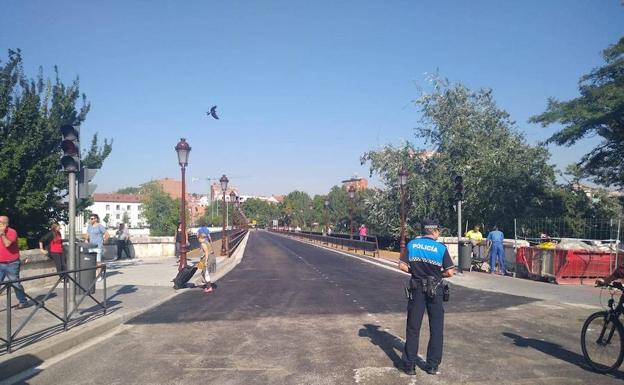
10	260
54	243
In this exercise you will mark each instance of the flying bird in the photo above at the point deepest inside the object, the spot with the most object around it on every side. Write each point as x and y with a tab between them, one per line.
213	112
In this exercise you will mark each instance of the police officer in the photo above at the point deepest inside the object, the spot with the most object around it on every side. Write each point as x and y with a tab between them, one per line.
428	261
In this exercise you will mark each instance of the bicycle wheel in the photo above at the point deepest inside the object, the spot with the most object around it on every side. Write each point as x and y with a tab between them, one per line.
602	342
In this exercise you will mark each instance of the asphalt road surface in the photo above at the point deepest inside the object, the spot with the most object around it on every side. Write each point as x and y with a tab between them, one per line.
293	313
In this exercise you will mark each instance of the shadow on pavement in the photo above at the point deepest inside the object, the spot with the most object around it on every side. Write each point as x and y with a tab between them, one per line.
110	303
110	273
23	362
387	342
555	350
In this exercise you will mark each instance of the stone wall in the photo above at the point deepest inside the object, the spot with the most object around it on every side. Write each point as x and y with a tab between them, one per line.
34	262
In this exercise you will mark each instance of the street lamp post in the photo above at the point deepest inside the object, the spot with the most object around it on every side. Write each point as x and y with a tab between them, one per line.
183	149
326	217
232	199
311	207
224	182
402	182
351	197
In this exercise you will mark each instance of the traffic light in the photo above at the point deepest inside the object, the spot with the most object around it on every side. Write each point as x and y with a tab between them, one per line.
70	145
86	189
459	188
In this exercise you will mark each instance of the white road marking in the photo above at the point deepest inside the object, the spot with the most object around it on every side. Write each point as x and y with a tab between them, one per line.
19	378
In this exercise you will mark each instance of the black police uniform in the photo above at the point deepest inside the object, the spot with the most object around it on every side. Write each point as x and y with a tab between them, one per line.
426	258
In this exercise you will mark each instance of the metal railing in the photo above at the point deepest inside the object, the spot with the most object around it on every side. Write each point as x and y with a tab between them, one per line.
234	239
342	241
63	277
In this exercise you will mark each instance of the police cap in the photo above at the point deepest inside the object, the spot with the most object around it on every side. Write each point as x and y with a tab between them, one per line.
428	225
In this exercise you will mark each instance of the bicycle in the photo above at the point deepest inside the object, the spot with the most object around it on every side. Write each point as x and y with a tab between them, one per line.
602	337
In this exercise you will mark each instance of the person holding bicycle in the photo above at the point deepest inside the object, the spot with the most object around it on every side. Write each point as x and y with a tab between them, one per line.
617	274
602	335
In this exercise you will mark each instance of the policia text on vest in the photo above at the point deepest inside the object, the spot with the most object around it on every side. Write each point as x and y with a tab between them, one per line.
427	261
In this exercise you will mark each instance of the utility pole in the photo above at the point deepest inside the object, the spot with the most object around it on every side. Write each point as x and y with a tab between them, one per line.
459	196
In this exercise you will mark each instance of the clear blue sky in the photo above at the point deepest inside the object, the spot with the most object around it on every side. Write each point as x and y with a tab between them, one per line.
303	87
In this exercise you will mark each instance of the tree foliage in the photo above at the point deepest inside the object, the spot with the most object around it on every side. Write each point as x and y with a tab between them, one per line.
32	185
129	190
465	134
598	111
160	210
261	211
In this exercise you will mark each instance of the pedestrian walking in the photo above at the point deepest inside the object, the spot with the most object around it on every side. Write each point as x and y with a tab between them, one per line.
52	245
206	231
428	261
363	232
179	238
204	265
122	236
10	260
497	252
97	234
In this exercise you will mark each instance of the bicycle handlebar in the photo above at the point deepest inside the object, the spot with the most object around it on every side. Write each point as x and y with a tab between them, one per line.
617	285
613	285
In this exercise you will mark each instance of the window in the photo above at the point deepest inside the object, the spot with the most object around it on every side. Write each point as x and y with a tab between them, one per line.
118	207
128	207
117	216
107	207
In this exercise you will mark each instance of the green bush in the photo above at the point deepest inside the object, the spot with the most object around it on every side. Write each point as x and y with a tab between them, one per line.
22	243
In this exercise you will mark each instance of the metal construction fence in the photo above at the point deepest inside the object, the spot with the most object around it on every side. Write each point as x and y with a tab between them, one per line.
535	229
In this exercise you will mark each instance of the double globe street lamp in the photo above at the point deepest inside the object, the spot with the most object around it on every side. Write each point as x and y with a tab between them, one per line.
224	183
232	199
183	149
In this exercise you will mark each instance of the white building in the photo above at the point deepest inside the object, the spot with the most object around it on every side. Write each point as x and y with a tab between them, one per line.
116	208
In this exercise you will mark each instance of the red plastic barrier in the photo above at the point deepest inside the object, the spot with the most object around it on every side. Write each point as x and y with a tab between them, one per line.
566	267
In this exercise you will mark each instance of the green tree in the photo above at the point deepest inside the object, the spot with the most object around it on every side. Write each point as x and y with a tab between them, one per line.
295	207
129	190
598	111
466	134
160	210
261	211
32	185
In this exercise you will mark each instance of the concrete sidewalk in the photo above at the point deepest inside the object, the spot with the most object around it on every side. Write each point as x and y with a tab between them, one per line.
133	287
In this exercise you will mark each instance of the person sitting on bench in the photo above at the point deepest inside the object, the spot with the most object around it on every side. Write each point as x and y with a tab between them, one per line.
475	237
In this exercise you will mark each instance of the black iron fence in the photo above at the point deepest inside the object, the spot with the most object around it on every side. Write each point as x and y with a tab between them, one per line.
234	239
64	316
342	241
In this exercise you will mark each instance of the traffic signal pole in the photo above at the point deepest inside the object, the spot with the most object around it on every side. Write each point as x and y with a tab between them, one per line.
459	219
71	254
70	161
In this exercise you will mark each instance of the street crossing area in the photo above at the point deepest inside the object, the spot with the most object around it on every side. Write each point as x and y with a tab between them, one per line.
293	313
